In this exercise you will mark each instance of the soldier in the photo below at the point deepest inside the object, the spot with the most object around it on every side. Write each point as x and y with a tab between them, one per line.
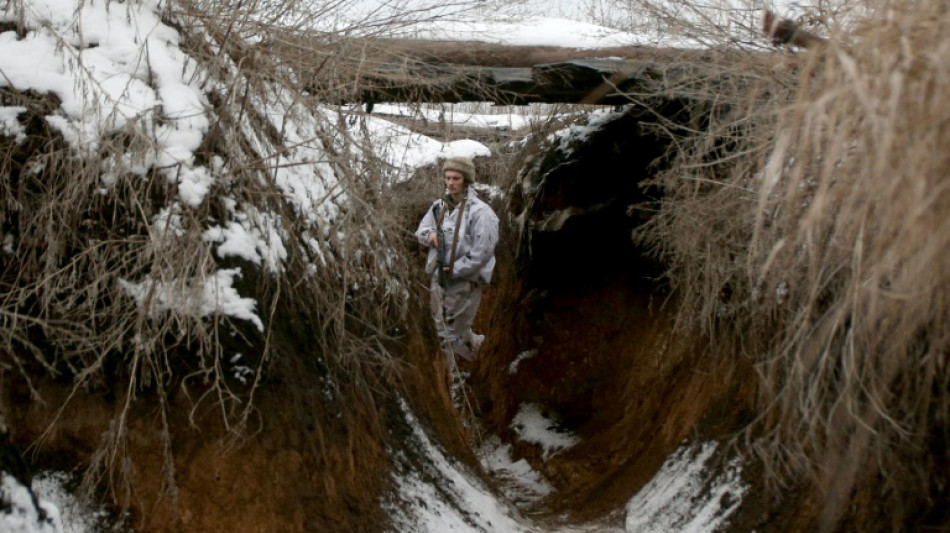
461	232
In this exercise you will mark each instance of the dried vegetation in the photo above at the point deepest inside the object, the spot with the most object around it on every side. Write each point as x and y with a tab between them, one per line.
804	227
78	227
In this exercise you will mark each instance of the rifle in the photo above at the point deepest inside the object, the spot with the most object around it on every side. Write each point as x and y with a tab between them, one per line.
440	247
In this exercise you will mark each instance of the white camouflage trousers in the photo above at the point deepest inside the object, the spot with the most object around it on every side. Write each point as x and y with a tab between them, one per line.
453	310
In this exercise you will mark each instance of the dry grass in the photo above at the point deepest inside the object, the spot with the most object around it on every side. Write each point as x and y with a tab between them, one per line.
339	301
806	228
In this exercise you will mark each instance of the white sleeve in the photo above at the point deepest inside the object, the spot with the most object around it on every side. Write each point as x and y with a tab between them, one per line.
484	233
427	225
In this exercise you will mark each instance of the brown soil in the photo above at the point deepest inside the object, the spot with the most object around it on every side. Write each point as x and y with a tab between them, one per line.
296	470
424	384
612	368
610	365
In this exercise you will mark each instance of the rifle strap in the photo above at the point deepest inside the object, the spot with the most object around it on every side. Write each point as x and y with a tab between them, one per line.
455	237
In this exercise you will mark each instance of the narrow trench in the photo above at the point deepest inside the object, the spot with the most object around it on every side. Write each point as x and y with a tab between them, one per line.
577	331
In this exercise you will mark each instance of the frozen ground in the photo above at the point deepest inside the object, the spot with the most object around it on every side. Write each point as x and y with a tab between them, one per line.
687	495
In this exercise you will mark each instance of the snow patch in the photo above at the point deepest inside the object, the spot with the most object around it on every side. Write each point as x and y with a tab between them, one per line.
260	242
167	223
404	150
539	32
241	373
531	426
575	134
682	497
450	115
536	31
9	125
76	516
443	496
213	295
513	367
20	513
111	65
489	192
521	482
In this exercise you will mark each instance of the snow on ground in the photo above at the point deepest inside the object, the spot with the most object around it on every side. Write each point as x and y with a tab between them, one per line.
76	516
451	115
513	367
112	65
521	484
533	427
541	31
685	497
579	24
404	150
115	66
445	495
584	24
20	513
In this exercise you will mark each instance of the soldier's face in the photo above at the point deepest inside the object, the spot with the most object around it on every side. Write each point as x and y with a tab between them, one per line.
454	182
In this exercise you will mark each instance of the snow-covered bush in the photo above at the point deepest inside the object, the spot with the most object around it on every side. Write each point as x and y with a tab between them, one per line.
178	209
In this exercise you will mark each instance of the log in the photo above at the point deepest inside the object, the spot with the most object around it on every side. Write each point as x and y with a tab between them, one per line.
589	81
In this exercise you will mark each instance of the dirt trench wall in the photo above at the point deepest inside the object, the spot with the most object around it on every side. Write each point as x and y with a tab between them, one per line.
577	324
284	476
305	462
580	326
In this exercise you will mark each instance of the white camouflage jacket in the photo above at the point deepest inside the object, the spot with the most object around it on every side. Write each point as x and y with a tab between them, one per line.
478	235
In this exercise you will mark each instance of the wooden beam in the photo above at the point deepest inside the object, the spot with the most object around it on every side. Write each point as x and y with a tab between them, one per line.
375	70
571	81
450	72
509	56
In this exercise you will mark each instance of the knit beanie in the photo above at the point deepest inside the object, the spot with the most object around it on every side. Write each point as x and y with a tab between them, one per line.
463	165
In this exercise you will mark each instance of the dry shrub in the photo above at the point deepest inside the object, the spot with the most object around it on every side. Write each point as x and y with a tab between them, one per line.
337	303
807	229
